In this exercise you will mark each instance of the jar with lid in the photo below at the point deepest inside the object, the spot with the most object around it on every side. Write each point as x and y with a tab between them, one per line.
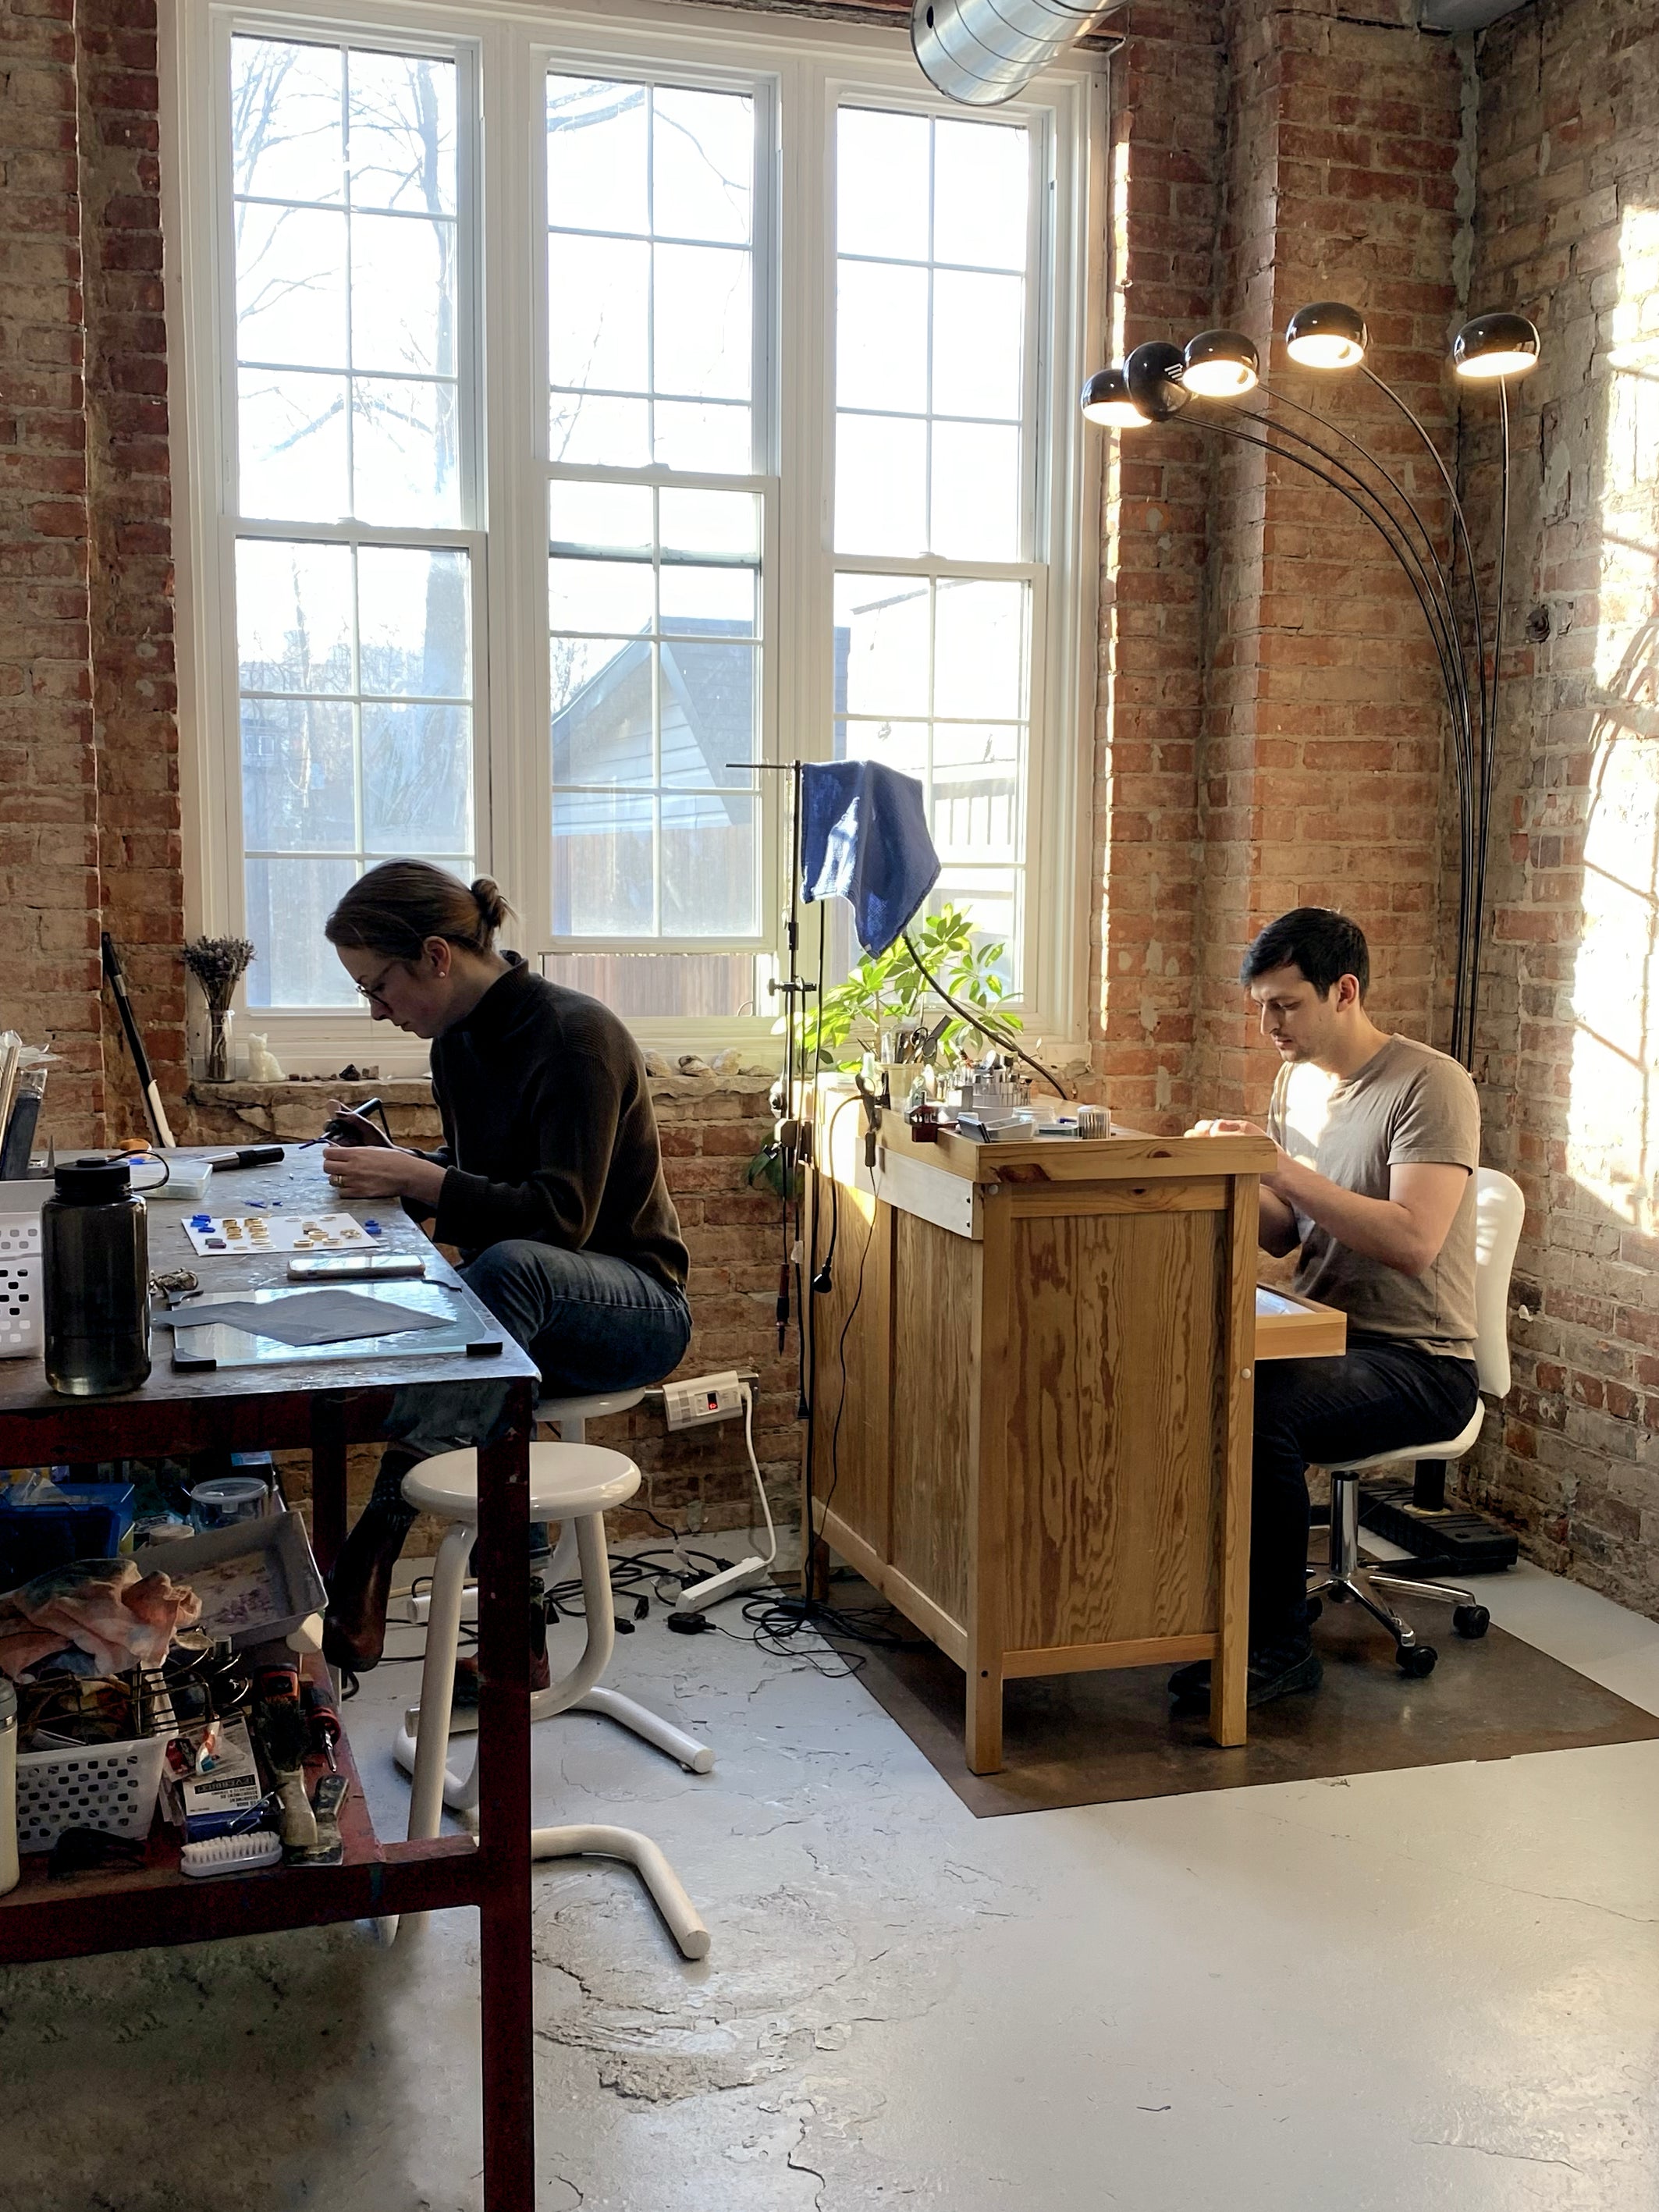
94	1268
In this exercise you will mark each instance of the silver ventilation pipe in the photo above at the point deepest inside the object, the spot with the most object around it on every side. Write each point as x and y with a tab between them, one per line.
982	52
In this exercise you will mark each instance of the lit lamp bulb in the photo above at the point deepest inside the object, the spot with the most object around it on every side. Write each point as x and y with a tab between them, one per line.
1221	365
1326	335
1494	346
1106	400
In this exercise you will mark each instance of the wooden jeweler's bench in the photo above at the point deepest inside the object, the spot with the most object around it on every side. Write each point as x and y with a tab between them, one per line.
1032	1383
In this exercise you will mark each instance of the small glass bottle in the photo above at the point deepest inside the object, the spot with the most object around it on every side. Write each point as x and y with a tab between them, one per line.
94	1270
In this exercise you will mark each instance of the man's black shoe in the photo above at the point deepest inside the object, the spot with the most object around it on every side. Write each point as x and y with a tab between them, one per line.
1277	1670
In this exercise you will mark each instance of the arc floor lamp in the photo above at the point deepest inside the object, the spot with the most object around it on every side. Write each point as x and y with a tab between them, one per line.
1218	368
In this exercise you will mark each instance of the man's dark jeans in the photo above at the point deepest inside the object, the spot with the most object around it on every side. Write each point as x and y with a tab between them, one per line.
1379	1396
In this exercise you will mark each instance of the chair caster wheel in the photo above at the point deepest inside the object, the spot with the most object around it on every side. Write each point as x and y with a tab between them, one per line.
1417	1659
1471	1620
1316	1606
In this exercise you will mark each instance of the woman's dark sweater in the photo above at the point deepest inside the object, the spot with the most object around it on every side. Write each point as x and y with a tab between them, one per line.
548	1130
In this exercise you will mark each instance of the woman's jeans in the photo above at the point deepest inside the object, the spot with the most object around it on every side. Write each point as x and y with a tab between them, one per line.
591	1323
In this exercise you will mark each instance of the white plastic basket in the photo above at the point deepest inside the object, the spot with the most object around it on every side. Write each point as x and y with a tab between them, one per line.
112	1786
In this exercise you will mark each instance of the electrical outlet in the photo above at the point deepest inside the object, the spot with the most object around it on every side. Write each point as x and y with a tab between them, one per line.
704	1398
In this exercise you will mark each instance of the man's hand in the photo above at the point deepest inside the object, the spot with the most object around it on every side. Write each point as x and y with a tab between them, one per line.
382	1171
1225	1127
1276	1228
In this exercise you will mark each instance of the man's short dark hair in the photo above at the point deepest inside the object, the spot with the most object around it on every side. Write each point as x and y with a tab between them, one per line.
1322	943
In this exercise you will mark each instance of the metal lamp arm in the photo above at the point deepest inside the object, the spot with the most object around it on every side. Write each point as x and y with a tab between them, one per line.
1455	687
1462	528
1360	494
1489	748
1283	400
1443	621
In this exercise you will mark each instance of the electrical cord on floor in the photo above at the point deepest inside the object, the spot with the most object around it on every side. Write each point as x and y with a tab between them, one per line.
776	1619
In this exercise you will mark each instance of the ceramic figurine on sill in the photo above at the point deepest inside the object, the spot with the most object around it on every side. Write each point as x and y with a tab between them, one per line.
262	1066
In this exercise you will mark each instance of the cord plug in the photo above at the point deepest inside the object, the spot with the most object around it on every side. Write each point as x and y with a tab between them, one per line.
689	1623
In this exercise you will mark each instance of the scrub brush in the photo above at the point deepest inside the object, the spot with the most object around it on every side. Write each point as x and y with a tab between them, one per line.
231	1854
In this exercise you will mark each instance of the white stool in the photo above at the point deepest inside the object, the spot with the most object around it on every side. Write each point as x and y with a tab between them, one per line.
576	1484
572	1415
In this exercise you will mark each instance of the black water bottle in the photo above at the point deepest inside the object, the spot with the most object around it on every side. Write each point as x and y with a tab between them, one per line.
94	1255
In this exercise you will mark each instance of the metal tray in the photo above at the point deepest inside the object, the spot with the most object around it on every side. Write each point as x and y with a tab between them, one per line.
276	1557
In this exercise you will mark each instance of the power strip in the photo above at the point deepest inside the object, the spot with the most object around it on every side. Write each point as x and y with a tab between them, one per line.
413	1610
748	1574
695	1402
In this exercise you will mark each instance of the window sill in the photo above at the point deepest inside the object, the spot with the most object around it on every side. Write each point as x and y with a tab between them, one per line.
688	1076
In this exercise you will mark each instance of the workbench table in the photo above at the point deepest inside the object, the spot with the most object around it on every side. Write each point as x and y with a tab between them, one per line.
1032	1383
325	1406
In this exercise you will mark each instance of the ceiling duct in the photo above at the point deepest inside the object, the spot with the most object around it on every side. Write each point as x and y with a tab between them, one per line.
981	53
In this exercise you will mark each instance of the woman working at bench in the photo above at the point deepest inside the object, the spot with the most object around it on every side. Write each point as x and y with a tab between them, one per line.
548	1179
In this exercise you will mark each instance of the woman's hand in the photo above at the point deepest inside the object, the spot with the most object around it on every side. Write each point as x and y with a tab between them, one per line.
382	1171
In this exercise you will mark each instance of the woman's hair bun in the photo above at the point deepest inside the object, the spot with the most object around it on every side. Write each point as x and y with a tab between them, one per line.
493	909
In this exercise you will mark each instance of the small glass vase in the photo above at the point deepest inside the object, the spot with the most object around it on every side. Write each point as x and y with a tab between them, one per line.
221	1022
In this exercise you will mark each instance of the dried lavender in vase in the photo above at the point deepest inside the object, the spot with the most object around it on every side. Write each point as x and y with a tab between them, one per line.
218	963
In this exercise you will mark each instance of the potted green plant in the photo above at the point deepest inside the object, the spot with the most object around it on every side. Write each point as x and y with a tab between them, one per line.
887	988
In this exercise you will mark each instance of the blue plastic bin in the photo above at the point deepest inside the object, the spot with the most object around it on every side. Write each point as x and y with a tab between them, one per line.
89	1521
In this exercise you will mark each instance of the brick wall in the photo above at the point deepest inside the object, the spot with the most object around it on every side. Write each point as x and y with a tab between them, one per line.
1167	91
1568	232
133	697
711	1126
49	852
87	739
1321	775
1271	723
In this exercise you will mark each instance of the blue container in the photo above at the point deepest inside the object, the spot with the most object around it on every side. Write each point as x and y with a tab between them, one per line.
85	1521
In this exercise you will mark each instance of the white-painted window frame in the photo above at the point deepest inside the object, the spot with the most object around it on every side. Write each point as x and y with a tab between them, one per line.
805	69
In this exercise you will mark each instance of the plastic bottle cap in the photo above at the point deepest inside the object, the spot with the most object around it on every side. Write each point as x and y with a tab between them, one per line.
92	1181
229	1490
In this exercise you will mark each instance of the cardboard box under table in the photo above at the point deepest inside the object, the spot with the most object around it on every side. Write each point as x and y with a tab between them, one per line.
1033	1395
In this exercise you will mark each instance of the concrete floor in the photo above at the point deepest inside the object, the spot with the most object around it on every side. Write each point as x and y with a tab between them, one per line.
1404	1992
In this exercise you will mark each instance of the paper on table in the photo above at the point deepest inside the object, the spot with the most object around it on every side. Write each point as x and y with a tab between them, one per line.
325	1316
278	1232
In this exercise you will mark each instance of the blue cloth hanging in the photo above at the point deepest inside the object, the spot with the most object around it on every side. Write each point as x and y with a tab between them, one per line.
864	838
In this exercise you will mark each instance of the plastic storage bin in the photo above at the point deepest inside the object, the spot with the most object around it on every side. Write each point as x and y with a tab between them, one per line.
87	1521
112	1786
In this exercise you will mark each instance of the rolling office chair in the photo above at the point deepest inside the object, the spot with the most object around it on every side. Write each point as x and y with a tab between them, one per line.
1499	1211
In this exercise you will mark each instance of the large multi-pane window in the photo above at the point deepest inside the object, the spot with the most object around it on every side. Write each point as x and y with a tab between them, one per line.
934	432
353	615
597	426
653	599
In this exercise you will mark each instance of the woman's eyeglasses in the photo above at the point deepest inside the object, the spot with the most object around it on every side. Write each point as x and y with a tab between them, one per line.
375	990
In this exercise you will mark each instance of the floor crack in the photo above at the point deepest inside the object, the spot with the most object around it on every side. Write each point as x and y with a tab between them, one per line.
1486	2150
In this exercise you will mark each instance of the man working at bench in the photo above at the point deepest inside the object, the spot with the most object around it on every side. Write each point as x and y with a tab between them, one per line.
1378	1140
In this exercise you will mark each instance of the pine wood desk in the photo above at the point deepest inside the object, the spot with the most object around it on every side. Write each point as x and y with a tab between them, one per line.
1032	1378
325	1406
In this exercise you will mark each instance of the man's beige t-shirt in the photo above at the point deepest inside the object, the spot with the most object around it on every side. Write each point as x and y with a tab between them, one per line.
1408	1102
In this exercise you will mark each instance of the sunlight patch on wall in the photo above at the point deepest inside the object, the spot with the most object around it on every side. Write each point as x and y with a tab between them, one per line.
1612	1122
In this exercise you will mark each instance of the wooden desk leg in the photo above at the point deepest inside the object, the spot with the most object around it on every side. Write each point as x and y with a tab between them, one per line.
328	1479
504	1962
1228	1711
815	1577
984	1719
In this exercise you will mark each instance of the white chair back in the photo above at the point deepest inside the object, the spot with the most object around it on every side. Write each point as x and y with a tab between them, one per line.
1499	1210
